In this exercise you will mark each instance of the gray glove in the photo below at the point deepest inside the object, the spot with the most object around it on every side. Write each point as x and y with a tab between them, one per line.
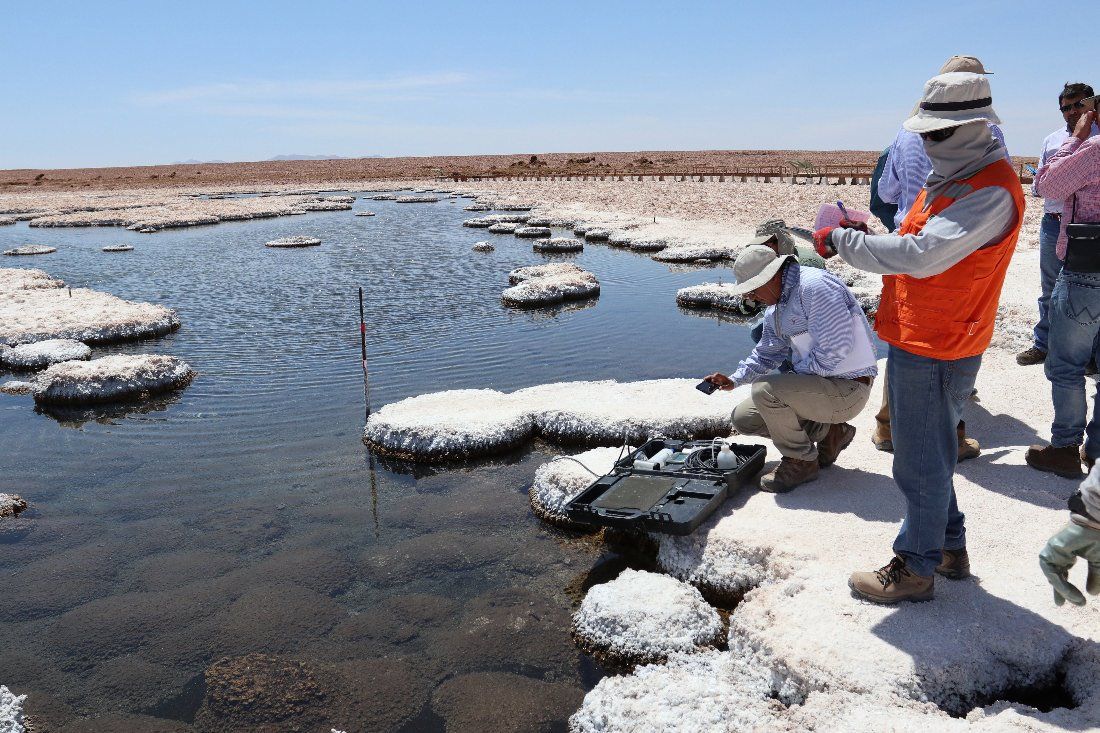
1060	554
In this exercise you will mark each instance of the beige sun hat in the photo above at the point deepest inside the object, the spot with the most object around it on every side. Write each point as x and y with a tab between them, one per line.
777	229
755	266
973	64
953	99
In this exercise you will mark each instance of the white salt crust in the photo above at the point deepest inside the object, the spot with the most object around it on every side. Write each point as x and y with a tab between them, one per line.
484	247
34	307
719	296
119	248
530	232
10	505
16	387
298	241
596	235
542	285
693	252
364	213
30	249
5	221
642	617
558	244
110	379
477	422
483	222
477	207
11	711
503	228
558	481
41	354
417	199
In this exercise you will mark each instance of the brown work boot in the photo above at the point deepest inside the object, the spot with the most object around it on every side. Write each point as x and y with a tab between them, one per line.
789	473
1064	461
1032	356
839	437
955	564
968	447
892	583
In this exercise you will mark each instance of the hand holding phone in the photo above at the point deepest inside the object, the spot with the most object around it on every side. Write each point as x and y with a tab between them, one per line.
706	387
715	381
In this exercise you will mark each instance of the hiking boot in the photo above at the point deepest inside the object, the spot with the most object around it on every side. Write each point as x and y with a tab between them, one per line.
955	564
1032	356
839	437
1064	461
968	447
892	583
789	473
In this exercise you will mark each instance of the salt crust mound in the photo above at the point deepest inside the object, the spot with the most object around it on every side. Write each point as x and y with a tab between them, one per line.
484	247
483	222
323	205
364	213
119	248
16	387
30	249
477	207
298	241
469	423
4	221
693	252
596	235
417	199
642	618
710	295
34	308
11	504
11	711
503	228
111	379
530	232
540	285
559	480
558	244
43	353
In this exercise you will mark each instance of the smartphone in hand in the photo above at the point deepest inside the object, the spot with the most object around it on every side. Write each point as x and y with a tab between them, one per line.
706	387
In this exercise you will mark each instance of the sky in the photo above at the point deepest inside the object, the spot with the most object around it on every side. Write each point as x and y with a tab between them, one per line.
132	83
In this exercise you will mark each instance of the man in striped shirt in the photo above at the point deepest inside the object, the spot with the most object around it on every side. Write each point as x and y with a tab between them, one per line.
814	321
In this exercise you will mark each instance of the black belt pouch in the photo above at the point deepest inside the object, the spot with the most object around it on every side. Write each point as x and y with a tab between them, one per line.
1083	247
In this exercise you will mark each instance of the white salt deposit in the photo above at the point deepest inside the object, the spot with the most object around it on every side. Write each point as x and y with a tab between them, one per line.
710	295
41	354
10	505
119	248
642	618
484	247
549	289
11	711
558	244
520	274
5	220
16	387
298	241
530	232
477	207
34	307
596	235
324	205
503	228
341	199
470	423
559	480
364	213
417	199
692	252
30	249
111	378
383	197
648	245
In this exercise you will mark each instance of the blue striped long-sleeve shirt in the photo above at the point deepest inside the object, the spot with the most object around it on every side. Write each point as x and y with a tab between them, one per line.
813	302
907	169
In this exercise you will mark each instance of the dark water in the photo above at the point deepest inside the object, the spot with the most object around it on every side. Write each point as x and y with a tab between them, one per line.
242	516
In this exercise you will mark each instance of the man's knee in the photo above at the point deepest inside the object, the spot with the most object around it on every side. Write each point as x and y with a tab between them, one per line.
763	394
746	418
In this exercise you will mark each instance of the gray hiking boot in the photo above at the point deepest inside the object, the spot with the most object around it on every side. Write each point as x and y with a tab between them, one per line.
789	473
892	583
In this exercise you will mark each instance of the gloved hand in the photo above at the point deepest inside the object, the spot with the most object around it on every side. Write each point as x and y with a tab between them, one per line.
858	225
823	242
1061	553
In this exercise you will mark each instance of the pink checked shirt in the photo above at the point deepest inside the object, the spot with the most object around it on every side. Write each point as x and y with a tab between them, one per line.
1073	175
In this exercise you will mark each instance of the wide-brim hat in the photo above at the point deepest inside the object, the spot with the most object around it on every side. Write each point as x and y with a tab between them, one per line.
953	99
774	229
755	266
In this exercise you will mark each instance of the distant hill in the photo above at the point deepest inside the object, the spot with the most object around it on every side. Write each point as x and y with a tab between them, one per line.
296	156
192	161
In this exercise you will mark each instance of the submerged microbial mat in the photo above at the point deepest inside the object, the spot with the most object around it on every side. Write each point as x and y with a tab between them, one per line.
173	544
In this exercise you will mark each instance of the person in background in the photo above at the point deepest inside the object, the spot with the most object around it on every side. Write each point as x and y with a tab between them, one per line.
1072	106
906	168
813	321
943	272
884	210
775	235
1072	174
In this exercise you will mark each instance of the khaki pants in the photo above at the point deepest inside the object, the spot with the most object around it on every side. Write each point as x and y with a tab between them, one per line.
796	410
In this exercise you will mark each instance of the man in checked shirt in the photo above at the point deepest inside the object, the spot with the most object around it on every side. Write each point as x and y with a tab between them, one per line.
1072	175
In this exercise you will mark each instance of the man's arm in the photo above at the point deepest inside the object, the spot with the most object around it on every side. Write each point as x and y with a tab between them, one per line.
971	222
889	184
1042	161
996	130
768	354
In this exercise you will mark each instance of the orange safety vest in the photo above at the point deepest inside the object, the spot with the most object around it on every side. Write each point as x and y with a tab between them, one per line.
950	315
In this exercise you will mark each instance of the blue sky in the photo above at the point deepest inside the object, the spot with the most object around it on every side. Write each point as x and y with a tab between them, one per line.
129	83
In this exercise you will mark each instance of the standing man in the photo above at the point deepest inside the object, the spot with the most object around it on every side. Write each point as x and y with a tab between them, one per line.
1071	105
943	271
1073	175
815	322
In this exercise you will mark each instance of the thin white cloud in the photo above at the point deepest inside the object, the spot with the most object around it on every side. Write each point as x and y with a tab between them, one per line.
261	89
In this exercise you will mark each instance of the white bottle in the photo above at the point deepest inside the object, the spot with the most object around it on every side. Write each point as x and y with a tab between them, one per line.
727	460
660	458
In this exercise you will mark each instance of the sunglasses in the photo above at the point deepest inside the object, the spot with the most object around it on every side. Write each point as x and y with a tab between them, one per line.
1080	104
938	136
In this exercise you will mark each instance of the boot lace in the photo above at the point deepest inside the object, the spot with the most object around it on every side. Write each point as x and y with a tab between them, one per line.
892	572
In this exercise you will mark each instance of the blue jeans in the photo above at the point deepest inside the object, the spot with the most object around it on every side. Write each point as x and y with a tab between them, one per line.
926	401
1074	324
1049	267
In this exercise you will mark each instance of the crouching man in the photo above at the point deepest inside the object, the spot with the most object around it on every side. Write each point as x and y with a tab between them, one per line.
814	321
